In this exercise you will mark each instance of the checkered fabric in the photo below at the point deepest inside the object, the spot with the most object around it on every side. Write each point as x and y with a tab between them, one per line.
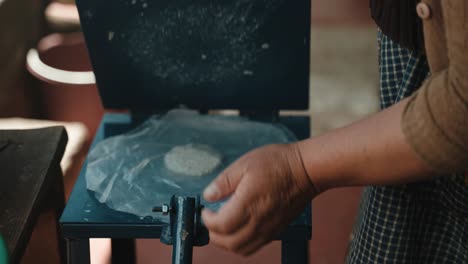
425	222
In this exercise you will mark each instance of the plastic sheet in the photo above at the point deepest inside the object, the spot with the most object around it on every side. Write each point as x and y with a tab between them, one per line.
128	173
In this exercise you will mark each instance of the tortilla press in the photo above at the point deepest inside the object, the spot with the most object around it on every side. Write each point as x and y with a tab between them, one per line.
152	56
185	229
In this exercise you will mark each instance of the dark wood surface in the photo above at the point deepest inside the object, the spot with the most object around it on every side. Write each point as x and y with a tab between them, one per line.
30	176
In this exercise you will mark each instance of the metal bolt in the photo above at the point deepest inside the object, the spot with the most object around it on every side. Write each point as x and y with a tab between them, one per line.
164	209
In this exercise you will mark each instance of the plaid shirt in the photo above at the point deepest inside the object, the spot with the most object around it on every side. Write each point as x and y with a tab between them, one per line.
425	222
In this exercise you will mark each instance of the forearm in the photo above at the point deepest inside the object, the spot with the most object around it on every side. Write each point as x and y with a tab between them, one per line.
372	151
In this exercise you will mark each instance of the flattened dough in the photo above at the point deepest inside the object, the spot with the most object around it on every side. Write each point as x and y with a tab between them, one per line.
192	160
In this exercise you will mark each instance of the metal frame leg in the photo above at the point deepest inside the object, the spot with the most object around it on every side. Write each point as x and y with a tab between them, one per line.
123	251
78	251
294	251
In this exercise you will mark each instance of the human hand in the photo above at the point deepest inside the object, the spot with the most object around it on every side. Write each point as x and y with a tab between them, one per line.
269	188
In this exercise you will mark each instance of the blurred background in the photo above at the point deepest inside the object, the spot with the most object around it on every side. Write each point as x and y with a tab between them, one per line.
42	49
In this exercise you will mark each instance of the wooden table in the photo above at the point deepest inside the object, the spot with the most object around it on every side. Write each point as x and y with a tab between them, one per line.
30	181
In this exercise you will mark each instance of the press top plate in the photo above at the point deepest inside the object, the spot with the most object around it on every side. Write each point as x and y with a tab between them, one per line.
218	54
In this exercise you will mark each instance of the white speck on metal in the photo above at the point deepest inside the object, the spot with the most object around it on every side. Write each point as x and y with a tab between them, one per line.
248	72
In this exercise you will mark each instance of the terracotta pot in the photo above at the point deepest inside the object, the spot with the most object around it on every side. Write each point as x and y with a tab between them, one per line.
67	83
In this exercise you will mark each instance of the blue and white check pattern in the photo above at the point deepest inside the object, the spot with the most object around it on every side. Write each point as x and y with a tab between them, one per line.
424	222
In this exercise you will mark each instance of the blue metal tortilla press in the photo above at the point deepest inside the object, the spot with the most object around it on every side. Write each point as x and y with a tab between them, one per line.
150	56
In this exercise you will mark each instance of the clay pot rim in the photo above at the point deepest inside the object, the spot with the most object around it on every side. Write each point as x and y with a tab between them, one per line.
50	74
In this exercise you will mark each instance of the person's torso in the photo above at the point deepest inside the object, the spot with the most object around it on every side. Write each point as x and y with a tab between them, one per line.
421	25
398	20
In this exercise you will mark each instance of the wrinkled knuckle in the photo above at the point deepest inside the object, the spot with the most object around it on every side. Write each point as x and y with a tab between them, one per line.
227	180
260	207
253	210
254	223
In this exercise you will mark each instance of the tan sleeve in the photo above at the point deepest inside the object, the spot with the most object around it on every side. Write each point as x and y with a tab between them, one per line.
435	121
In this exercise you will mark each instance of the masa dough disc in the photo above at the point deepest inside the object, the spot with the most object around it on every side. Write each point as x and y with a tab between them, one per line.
192	159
